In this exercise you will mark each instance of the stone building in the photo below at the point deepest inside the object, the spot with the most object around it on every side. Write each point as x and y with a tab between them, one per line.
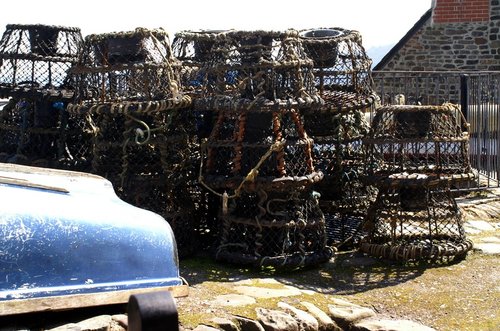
454	35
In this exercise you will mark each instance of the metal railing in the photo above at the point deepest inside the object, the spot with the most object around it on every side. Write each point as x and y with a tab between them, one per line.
478	93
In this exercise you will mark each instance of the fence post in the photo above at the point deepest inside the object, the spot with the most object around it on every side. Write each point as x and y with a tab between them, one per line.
464	96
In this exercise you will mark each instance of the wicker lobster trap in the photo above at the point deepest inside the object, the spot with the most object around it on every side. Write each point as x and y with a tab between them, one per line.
415	153
128	92
34	64
342	76
258	157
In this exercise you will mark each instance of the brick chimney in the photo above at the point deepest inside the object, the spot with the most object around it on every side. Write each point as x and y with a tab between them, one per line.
460	11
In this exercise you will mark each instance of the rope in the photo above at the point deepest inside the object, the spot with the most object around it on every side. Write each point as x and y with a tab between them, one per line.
250	177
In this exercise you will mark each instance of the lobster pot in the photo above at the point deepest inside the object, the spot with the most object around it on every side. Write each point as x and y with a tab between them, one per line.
342	76
128	91
276	229
194	50
34	64
150	168
258	67
342	69
256	83
128	71
126	150
30	132
430	140
414	154
263	159
35	59
339	155
78	132
259	149
415	220
189	208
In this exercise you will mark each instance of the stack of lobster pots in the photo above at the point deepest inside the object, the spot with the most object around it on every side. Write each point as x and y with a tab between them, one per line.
342	77
128	91
258	157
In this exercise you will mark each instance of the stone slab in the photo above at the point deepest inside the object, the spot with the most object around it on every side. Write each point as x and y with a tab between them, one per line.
390	325
488	248
233	300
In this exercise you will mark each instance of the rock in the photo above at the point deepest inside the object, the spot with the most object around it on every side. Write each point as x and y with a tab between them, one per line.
324	321
359	261
121	319
225	324
491	210
488	248
67	327
349	314
247	324
308	292
306	321
390	325
342	302
257	281
480	225
98	323
274	320
202	327
233	300
266	293
491	240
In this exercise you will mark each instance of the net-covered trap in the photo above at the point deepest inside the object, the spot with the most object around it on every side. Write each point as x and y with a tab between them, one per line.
342	76
258	157
260	69
342	69
34	64
128	91
345	197
194	50
262	160
414	155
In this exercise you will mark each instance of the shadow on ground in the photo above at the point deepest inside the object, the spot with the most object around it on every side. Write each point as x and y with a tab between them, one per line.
348	273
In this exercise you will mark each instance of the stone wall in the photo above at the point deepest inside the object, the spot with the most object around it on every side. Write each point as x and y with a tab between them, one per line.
460	40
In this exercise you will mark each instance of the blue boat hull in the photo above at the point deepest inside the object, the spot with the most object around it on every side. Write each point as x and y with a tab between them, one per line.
67	233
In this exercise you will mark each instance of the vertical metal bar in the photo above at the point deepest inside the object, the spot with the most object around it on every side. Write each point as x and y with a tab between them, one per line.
474	130
486	105
427	90
496	101
464	98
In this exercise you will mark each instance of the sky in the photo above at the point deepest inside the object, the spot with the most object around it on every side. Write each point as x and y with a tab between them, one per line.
382	23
